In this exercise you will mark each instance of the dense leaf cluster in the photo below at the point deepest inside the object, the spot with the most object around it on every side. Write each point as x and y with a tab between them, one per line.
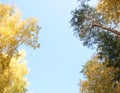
110	10
99	78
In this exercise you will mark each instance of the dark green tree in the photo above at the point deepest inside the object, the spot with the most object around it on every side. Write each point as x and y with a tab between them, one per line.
97	32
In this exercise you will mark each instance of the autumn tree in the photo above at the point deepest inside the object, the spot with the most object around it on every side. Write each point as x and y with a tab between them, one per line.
110	10
12	79
99	78
15	31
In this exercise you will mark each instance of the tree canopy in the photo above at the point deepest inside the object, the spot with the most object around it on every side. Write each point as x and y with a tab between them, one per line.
15	31
94	30
98	27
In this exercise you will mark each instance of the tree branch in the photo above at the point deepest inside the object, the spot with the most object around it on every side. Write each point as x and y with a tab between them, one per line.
105	28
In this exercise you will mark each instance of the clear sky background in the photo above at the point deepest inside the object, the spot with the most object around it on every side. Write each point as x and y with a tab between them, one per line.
56	66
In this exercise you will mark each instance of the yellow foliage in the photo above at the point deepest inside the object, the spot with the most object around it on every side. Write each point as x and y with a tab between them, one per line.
15	31
110	9
99	78
12	79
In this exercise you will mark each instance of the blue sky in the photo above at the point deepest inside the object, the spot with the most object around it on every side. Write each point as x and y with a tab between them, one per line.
55	66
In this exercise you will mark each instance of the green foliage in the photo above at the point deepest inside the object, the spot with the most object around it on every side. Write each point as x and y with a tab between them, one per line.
88	25
83	19
108	48
97	31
